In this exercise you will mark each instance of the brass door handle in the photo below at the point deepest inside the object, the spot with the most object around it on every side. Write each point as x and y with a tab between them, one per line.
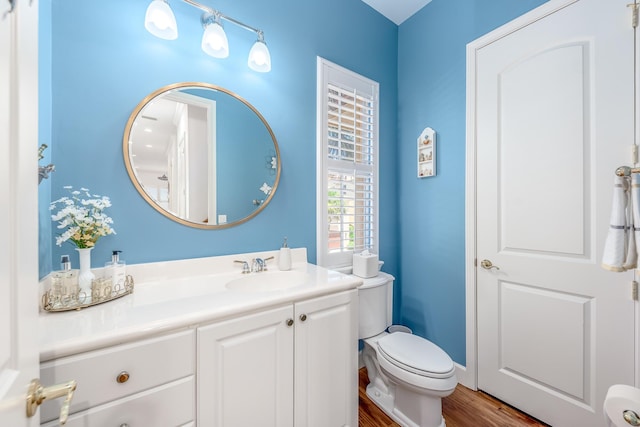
488	265
38	394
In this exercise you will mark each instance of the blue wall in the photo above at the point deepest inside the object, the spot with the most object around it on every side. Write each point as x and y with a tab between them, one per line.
431	92
104	63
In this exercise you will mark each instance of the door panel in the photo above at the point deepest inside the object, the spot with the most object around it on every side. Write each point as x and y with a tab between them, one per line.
545	134
529	353
554	119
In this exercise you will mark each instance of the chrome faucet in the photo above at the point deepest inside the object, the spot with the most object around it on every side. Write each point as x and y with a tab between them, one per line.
257	265
245	266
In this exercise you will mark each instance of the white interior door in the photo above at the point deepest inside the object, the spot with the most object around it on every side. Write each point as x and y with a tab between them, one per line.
19	212
554	119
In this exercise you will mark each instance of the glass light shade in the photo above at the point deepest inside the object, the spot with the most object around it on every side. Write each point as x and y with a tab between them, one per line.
160	20
214	41
259	57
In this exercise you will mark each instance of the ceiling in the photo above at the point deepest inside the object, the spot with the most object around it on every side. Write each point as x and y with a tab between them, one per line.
397	10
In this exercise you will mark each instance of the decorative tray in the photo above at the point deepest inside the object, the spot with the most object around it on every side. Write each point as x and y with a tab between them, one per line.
102	291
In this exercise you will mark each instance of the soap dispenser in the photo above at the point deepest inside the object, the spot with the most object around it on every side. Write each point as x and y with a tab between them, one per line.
116	270
65	281
284	257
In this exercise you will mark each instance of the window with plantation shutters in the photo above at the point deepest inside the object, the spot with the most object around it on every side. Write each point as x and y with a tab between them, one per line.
347	219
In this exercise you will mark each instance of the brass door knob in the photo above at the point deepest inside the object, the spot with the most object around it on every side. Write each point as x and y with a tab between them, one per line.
488	265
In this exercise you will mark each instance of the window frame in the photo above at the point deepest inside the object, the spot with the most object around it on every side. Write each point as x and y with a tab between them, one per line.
329	73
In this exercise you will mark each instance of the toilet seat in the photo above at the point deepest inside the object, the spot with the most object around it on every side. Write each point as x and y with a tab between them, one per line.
416	355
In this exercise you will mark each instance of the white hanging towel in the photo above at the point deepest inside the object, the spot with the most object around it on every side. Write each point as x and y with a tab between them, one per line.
618	255
633	223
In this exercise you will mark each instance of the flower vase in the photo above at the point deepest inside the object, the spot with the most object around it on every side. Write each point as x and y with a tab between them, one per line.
86	276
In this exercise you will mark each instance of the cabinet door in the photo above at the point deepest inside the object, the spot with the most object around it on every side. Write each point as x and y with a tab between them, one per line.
326	364
245	371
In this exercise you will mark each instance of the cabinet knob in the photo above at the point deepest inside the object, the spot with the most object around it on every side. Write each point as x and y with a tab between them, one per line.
289	322
303	317
122	377
124	425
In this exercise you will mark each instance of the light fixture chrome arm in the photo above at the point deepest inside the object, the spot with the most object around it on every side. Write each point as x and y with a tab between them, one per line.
161	22
223	16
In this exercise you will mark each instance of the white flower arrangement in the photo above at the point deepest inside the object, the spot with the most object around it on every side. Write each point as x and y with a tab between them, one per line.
83	218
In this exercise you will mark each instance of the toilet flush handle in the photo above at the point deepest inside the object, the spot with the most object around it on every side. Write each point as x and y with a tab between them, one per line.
488	265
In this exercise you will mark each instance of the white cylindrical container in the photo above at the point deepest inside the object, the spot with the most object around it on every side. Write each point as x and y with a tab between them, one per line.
284	257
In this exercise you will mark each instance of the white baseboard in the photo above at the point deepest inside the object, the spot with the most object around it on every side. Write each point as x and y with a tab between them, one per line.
463	377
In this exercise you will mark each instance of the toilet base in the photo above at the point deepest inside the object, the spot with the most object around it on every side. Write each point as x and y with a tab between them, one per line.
407	404
411	408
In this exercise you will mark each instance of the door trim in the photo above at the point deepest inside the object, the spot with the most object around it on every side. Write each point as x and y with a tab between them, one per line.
469	376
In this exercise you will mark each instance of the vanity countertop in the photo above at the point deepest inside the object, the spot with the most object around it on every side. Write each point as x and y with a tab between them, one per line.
179	294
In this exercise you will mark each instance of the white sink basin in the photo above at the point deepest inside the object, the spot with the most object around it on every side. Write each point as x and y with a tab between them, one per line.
268	281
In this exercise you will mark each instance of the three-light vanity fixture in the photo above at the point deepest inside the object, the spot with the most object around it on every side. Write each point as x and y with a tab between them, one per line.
161	22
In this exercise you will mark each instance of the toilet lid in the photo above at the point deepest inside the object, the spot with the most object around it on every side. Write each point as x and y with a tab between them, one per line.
416	354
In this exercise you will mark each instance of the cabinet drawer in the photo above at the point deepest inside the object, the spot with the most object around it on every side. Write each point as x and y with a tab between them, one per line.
169	405
148	363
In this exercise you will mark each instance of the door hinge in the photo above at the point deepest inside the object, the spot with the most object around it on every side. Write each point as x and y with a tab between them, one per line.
634	290
634	14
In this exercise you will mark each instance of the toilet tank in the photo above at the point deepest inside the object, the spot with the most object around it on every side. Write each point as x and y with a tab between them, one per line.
375	305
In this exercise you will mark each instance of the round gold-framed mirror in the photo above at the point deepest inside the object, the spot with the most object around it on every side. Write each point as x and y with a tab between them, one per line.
201	155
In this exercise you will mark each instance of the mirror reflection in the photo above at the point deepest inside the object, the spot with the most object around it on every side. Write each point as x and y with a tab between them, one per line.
201	155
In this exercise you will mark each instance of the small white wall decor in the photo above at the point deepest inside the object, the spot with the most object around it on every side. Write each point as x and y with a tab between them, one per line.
427	153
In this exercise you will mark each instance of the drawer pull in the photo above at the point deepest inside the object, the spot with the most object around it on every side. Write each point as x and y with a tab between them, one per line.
289	322
122	377
303	317
124	425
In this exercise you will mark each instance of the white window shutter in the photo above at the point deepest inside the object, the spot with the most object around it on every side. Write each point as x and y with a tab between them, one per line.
347	214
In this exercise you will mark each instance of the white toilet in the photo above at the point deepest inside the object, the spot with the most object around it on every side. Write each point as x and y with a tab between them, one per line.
408	375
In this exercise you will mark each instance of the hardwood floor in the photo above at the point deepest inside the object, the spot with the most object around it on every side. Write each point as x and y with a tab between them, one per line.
464	408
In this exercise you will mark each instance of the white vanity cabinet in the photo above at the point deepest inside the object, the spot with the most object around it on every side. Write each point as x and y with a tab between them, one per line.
294	365
150	382
188	350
